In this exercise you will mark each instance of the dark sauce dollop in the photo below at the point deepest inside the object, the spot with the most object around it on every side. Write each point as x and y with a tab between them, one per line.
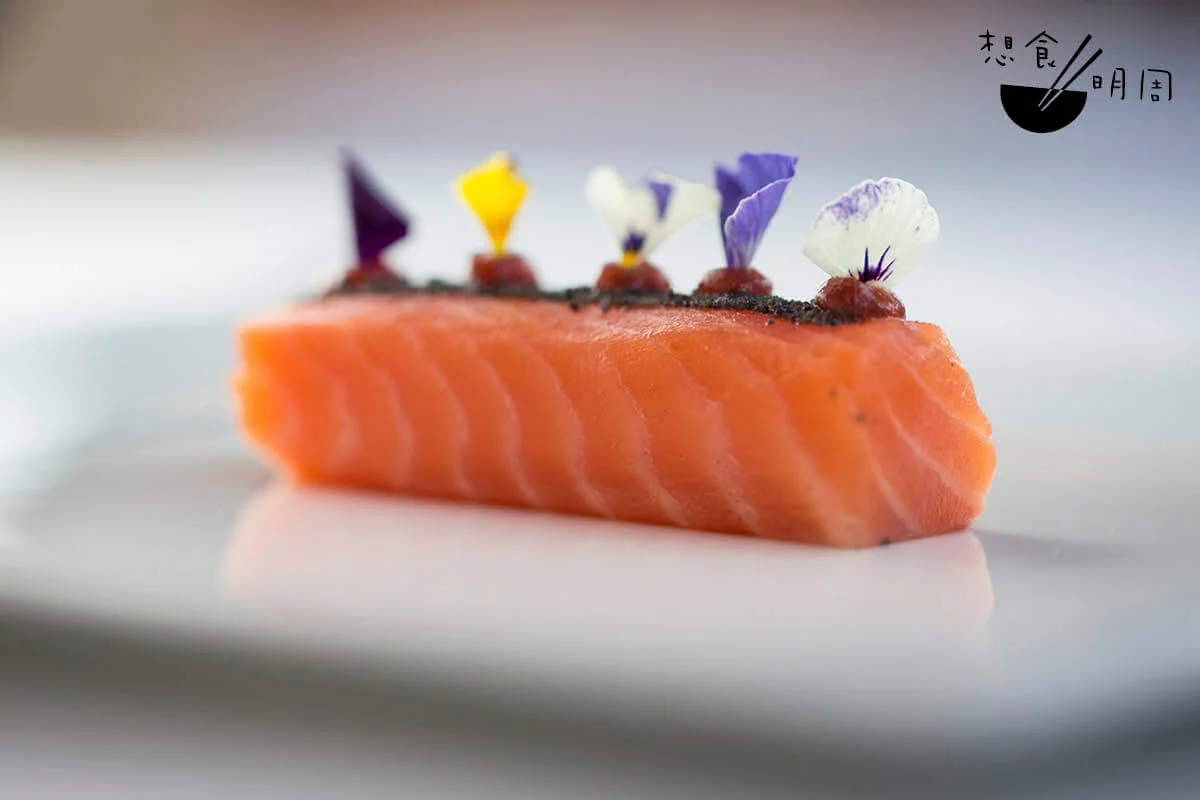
643	277
729	280
853	299
371	273
506	269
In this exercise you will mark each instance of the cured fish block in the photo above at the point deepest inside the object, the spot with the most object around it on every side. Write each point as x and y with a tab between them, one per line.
835	422
719	419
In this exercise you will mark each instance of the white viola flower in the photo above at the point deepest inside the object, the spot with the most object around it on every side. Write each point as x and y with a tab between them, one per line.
877	231
643	216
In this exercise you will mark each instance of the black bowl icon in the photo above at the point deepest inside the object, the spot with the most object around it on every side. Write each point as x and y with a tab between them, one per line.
1021	103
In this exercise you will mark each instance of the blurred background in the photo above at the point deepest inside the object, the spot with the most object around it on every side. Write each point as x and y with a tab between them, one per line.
169	166
163	155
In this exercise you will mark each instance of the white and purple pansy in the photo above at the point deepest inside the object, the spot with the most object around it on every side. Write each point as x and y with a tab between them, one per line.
642	216
750	196
877	231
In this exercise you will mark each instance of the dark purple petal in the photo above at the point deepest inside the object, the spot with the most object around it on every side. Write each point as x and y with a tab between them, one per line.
633	243
878	271
744	229
662	195
378	223
756	172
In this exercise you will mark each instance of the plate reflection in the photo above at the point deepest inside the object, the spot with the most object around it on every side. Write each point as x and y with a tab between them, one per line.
311	555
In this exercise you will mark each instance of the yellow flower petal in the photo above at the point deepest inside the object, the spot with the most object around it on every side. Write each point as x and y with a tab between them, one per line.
494	191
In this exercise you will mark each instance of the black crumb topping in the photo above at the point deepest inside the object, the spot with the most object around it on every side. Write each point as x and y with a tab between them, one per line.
797	311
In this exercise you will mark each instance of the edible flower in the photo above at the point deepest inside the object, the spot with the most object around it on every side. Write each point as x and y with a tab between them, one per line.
378	223
641	217
875	233
750	196
494	190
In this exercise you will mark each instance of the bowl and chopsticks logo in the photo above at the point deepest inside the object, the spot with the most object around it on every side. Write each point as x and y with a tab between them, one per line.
1050	108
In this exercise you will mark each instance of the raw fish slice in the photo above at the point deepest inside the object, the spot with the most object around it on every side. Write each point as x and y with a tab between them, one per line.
733	421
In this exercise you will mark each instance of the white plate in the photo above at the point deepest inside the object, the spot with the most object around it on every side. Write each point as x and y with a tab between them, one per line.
1066	620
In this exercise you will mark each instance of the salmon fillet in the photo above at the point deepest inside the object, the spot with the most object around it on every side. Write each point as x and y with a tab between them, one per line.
721	420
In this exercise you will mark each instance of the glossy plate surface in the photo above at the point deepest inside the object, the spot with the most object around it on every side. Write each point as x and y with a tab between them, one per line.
1067	617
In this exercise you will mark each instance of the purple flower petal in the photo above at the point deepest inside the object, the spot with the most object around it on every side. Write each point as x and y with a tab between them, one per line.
859	202
662	195
378	223
750	196
745	227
